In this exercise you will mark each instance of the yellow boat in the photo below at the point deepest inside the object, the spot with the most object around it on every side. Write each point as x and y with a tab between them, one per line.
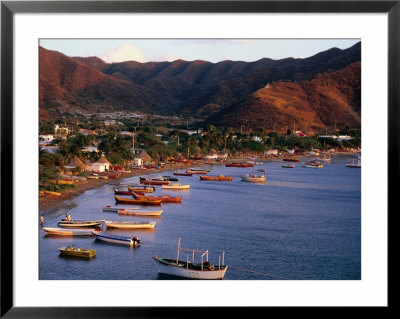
77	252
52	193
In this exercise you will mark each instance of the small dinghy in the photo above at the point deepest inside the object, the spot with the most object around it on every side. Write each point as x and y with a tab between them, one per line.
116	239
77	252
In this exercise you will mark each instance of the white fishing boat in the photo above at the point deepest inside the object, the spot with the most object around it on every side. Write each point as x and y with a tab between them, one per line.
67	231
140	213
116	239
75	223
253	178
313	164
129	225
116	209
355	163
176	186
190	269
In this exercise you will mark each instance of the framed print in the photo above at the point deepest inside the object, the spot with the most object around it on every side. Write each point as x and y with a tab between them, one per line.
147	144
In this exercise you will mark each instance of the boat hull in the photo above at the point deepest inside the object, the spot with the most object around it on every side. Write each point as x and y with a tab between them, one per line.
136	201
114	239
129	225
67	232
167	266
141	189
175	187
253	179
77	252
138	213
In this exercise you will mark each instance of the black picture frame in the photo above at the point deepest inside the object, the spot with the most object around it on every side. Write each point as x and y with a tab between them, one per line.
9	8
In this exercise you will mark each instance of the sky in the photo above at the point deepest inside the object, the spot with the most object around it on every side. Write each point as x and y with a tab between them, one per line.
212	50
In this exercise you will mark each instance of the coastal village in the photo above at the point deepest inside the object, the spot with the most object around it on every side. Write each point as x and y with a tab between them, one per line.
78	155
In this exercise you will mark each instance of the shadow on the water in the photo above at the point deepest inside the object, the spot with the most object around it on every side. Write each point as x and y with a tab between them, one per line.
71	257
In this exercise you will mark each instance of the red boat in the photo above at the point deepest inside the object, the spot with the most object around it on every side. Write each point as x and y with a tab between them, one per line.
164	198
119	192
142	201
153	182
291	160
189	171
239	165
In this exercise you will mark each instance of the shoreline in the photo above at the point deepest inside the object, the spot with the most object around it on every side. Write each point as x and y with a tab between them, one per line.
51	201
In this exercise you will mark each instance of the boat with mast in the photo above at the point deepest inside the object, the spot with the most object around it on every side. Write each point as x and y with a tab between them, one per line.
191	269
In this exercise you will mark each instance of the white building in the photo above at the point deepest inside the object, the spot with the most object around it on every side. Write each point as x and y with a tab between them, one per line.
45	139
96	167
271	152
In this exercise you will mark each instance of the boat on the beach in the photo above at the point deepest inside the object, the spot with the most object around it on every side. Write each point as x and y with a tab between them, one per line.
116	239
116	209
67	231
190	269
140	213
121	192
165	198
239	165
137	201
142	188
291	159
313	164
176	186
354	163
216	178
288	166
77	252
129	225
52	193
75	223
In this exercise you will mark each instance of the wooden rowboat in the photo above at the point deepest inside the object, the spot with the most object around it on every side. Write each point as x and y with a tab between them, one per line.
154	182
120	192
164	198
52	193
116	209
216	178
140	213
183	174
116	239
67	232
129	225
144	189
80	223
137	201
176	186
77	252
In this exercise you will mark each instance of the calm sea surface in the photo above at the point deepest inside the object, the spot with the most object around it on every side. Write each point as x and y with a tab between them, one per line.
302	224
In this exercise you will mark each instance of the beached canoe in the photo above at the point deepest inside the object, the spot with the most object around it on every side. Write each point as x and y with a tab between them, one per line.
140	213
129	225
137	201
121	192
67	231
52	193
77	252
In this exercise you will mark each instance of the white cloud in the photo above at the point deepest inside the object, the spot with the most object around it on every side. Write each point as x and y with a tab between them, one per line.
123	53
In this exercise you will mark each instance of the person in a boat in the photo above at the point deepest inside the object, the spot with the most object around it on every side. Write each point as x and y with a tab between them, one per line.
67	216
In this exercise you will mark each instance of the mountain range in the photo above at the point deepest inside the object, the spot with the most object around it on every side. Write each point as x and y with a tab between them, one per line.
313	92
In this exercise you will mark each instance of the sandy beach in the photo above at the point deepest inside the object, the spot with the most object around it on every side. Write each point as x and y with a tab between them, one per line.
50	201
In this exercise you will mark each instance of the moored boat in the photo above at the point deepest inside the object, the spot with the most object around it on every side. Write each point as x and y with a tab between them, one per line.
192	171
354	163
154	182
77	252
75	223
116	209
313	164
190	269
137	201
116	239
67	231
142	188
165	198
288	166
140	213
253	178
121	192
291	159
129	225
171	178
183	174
216	178
176	186
239	165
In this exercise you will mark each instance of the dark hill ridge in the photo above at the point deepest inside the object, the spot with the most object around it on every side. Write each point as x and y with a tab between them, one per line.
329	98
196	88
